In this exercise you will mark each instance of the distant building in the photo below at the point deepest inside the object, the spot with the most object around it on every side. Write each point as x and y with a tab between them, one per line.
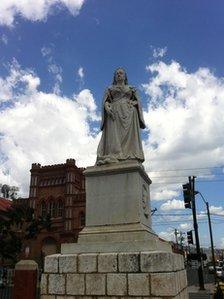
58	190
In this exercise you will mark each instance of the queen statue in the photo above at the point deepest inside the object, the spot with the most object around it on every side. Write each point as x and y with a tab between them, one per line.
122	119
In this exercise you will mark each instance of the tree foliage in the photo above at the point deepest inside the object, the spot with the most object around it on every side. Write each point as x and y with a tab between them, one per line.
17	224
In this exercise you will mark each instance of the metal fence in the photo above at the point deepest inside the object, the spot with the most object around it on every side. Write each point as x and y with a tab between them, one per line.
7	287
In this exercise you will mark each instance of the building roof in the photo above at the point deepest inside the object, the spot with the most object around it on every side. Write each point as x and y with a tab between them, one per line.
5	204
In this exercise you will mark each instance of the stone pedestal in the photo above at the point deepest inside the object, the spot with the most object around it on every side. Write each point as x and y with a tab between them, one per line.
118	254
118	217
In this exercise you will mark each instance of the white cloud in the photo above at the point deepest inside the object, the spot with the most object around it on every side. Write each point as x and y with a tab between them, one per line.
185	120
42	127
15	81
37	10
222	243
185	226
167	235
81	73
53	68
56	71
217	210
159	52
85	100
163	193
4	39
202	215
174	204
46	51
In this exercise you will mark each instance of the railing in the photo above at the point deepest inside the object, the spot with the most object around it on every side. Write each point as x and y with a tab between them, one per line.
6	285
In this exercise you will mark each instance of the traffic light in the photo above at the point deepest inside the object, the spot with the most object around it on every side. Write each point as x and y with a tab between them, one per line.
187	195
190	237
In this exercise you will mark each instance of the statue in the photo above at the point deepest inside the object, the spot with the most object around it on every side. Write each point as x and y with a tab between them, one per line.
122	119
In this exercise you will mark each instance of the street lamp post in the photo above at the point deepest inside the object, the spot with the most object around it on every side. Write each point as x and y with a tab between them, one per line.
210	232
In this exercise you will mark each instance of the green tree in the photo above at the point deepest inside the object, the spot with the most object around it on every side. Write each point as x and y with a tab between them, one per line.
18	223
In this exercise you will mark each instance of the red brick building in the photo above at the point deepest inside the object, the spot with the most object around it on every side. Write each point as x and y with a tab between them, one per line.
58	190
5	204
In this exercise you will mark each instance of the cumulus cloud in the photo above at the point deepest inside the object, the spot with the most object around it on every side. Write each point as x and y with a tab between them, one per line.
174	204
42	127
37	10
185	120
17	80
86	101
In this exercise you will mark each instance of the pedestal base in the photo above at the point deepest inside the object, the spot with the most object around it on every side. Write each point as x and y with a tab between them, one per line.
119	275
116	238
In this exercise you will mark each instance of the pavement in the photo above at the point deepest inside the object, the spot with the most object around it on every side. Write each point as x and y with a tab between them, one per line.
195	293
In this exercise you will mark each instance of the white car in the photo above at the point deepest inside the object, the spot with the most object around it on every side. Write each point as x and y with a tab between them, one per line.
219	272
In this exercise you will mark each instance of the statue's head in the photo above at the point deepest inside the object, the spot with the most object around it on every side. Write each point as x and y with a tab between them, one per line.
120	75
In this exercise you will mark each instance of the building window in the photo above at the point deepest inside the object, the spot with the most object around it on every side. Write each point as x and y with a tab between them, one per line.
60	208
50	208
54	210
82	219
43	209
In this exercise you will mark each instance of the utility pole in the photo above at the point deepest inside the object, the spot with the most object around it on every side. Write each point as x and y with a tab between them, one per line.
176	233
211	238
210	232
200	271
189	203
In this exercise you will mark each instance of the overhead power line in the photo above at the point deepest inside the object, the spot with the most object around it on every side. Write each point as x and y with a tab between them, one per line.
180	182
186	169
184	176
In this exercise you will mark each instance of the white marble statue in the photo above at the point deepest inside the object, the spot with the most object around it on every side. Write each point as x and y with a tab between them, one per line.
122	119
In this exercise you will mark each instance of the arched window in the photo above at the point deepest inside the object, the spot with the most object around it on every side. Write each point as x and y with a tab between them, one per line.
43	209
54	210
82	219
50	208
60	208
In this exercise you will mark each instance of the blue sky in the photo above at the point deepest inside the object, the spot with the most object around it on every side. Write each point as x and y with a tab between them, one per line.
56	61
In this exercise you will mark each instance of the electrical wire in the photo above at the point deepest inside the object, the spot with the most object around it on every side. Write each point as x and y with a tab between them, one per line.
180	182
183	169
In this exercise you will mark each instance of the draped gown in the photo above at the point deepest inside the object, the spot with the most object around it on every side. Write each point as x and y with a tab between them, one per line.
121	138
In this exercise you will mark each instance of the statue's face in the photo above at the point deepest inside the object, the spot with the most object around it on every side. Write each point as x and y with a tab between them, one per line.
120	75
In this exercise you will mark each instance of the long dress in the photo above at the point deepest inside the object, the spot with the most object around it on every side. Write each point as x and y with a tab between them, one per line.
121	138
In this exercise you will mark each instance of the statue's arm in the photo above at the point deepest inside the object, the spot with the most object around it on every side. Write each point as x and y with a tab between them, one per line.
106	108
137	103
107	104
